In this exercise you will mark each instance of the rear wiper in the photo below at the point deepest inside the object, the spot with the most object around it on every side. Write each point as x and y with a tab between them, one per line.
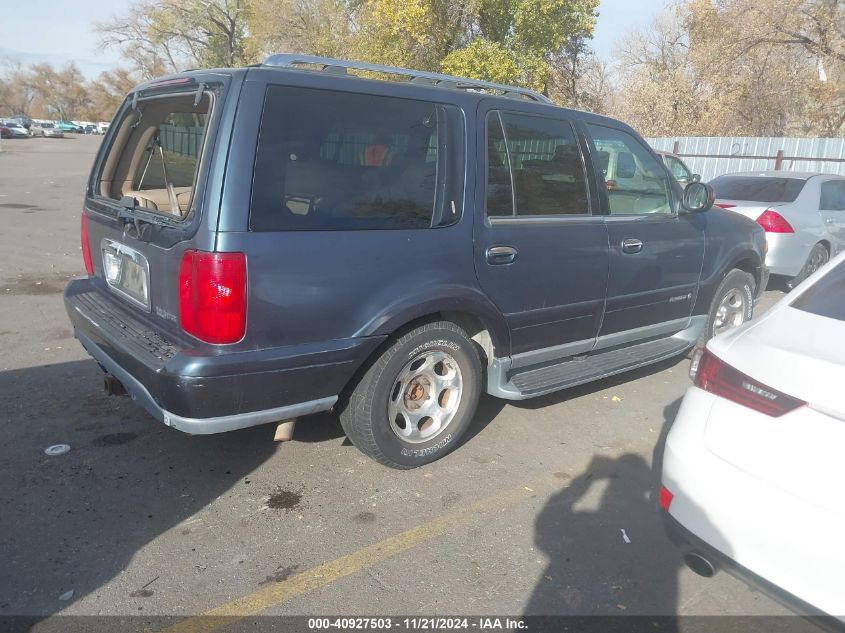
131	213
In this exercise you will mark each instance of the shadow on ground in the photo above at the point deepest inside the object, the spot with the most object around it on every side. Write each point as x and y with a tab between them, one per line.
73	522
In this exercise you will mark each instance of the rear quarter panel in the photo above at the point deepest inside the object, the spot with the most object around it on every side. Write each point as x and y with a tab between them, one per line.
311	286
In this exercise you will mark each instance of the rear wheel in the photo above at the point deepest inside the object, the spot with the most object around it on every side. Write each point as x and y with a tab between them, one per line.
817	258
414	403
732	305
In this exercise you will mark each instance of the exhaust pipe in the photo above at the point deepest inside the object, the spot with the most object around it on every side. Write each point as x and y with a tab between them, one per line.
700	565
113	387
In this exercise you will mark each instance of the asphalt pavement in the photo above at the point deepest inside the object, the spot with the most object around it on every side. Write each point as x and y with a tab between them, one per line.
525	517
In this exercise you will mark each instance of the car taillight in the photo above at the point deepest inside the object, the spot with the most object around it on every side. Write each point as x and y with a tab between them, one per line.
212	296
665	498
712	374
723	205
86	246
774	222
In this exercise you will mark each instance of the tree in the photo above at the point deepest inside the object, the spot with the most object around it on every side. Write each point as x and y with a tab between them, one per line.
16	90
766	47
314	27
106	93
62	92
160	36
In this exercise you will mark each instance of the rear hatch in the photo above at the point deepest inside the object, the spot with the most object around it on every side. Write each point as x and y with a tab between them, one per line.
145	199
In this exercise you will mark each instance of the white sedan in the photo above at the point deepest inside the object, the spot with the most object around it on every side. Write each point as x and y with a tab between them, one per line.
753	468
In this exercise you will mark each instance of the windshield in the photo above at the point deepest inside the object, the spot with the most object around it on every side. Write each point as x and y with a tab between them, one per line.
757	188
825	298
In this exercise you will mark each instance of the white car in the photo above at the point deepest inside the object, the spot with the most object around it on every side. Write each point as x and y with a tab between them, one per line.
802	213
753	468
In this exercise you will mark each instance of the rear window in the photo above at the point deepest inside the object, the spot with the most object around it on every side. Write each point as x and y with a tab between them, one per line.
330	160
827	296
155	154
757	188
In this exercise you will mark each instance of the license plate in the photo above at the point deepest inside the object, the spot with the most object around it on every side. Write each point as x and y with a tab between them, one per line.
127	272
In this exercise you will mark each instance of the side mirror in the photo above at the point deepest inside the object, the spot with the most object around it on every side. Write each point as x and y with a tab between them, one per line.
698	196
696	177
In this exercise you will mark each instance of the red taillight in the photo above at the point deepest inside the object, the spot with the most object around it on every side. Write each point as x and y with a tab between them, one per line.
665	498
723	205
714	375
774	222
212	296
86	246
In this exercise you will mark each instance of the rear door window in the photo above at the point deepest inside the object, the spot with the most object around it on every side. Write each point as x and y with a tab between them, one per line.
330	160
832	196
534	167
156	152
757	188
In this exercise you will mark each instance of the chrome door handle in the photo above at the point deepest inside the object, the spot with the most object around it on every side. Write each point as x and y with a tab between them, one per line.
632	245
501	254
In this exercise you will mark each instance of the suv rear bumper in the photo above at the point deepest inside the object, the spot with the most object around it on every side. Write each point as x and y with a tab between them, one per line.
203	391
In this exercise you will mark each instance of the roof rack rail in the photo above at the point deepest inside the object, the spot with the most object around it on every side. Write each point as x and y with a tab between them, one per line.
290	60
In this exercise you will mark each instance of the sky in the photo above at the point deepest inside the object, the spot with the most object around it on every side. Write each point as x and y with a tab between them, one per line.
57	32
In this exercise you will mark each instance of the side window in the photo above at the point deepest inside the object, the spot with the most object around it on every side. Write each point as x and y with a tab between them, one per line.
331	160
678	169
636	181
546	169
499	191
832	195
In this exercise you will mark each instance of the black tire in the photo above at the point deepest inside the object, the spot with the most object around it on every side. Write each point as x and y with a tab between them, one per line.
737	283
364	415
817	258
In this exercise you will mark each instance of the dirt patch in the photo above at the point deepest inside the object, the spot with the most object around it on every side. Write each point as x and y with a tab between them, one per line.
284	500
18	205
364	517
114	439
36	284
282	574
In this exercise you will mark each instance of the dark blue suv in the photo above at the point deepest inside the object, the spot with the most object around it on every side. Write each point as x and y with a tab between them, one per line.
267	242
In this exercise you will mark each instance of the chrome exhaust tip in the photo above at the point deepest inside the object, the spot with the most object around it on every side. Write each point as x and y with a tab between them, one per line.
700	565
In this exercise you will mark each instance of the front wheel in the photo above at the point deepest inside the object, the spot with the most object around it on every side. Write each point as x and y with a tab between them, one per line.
414	403
732	305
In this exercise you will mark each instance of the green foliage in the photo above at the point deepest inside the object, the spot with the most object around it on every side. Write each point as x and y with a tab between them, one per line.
492	61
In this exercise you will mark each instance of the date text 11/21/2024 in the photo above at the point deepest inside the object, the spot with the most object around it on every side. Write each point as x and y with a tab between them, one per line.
417	624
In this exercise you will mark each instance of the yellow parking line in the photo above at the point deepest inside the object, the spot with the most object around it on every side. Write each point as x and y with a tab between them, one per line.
331	571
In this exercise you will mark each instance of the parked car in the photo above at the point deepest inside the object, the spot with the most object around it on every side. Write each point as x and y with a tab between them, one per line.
47	129
5	132
16	130
69	126
679	169
341	242
803	215
103	127
752	469
91	129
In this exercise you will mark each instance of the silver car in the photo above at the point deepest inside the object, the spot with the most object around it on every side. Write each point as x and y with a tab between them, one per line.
47	129
803	215
16	129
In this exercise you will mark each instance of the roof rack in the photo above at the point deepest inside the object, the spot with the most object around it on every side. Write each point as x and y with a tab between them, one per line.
329	65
